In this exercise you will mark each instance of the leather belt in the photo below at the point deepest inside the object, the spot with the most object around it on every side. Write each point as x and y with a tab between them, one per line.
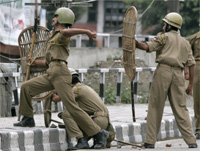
56	61
100	113
168	66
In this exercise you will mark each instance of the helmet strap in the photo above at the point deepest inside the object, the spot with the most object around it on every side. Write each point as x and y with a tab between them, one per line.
168	28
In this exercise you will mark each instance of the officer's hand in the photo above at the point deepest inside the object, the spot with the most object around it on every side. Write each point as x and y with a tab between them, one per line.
29	60
136	43
55	98
186	76
189	90
92	35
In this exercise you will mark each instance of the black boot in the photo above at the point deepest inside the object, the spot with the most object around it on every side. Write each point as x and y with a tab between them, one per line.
101	138
94	143
26	122
192	145
146	145
82	144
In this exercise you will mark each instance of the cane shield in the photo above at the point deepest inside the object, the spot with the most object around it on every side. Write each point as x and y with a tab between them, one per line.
128	42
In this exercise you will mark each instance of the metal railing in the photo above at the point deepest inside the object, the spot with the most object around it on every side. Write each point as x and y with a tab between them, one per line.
107	38
102	72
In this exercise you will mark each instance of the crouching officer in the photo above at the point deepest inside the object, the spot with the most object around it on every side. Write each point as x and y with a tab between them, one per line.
90	102
173	52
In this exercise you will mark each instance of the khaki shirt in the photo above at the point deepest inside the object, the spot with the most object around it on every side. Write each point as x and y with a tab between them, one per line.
57	47
195	44
88	99
171	49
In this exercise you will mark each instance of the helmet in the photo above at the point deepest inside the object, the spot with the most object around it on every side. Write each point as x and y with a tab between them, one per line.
174	19
65	15
75	76
73	72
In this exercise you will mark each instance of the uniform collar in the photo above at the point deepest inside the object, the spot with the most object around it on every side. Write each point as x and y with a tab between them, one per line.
54	32
173	31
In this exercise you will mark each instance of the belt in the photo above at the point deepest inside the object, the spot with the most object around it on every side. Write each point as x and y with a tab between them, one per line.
55	61
168	66
100	113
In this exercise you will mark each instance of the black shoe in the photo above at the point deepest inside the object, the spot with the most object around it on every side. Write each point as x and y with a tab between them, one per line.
192	145
101	138
197	135
26	122
146	145
82	144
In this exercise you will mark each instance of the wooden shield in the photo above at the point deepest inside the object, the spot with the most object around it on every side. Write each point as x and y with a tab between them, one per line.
128	42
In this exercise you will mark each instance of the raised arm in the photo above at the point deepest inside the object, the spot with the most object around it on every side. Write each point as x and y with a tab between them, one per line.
76	31
37	62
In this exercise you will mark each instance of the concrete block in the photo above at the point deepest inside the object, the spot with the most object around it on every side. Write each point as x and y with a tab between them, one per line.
45	139
14	145
28	140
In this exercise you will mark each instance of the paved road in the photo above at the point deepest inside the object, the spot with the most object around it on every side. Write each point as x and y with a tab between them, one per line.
176	145
121	118
120	114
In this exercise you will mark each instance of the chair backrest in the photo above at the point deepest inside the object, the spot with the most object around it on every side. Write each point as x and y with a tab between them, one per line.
25	42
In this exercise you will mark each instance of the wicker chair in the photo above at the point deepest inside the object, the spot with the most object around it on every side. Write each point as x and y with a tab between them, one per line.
25	43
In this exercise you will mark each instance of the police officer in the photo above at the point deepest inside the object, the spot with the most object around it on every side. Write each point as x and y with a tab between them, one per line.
195	44
58	77
90	102
173	52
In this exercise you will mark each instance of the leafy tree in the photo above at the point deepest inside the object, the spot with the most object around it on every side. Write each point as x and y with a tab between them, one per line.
190	11
151	20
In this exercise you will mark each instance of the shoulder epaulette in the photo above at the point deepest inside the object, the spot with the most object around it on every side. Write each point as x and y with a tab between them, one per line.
162	35
196	35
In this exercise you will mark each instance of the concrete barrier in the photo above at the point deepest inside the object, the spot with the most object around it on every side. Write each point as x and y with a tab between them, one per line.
56	138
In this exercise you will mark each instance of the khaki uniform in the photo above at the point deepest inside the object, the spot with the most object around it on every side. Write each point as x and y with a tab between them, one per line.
57	77
173	53
195	43
90	102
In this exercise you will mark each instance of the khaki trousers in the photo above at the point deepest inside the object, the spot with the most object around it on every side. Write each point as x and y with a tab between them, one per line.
169	82
196	96
58	77
73	129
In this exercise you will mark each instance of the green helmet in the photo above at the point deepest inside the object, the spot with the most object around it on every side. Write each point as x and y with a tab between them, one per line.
65	15
174	19
73	72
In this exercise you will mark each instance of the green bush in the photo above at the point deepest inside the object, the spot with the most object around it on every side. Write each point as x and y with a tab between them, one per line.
143	97
110	94
126	95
